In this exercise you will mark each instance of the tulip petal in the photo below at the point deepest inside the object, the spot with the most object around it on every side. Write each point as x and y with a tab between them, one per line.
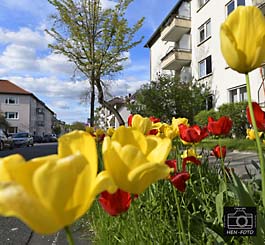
242	39
62	175
15	201
131	156
79	141
9	163
145	175
160	152
129	136
104	182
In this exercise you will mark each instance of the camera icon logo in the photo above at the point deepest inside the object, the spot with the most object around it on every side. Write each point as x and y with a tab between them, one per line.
240	221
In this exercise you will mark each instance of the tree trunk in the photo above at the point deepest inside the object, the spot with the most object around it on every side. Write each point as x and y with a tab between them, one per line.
92	104
106	104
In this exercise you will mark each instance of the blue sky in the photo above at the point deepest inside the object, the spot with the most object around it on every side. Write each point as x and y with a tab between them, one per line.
26	60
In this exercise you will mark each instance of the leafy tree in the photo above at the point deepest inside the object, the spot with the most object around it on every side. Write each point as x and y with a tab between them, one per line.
57	129
237	112
95	40
168	97
3	122
78	126
202	117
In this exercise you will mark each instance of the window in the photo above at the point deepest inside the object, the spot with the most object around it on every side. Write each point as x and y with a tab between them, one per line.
233	4
11	115
202	2
205	31
238	94
11	100
233	96
243	94
205	67
12	130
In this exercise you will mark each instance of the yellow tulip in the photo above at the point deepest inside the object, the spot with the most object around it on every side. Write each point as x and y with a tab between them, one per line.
251	134
169	132
110	131
243	39
190	153
135	161
143	124
177	121
49	193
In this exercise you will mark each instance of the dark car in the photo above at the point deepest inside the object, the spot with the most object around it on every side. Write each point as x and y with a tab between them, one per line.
22	139
37	139
5	141
49	138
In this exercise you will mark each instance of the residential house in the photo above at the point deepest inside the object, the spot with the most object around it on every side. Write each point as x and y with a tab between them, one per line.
187	43
105	119
24	111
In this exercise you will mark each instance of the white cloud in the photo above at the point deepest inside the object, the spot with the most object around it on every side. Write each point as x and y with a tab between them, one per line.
123	87
17	57
56	64
108	4
25	37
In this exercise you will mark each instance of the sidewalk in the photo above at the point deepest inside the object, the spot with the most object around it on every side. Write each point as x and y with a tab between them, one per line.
242	162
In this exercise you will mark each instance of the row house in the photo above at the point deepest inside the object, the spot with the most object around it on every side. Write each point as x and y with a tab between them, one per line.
24	111
187	44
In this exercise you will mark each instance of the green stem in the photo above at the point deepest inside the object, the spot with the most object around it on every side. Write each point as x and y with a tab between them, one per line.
223	163
253	120
69	235
182	232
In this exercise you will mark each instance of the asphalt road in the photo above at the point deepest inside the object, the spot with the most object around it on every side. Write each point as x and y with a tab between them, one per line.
13	231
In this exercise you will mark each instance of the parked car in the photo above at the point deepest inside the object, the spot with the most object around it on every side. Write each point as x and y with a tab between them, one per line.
5	141
37	139
23	139
50	138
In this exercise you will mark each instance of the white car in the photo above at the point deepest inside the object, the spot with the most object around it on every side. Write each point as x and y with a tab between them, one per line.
22	139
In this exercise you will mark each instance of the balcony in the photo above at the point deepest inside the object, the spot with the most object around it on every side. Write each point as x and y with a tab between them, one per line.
176	59
260	4
177	28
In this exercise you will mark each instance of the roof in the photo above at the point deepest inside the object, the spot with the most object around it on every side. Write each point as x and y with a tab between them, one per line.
11	88
156	34
7	87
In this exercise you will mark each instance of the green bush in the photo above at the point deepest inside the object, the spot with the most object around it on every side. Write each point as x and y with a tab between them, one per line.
237	112
202	117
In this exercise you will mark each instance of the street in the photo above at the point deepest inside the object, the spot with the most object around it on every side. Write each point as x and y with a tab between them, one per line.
12	230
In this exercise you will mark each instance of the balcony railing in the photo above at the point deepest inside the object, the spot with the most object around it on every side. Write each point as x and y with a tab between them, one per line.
176	58
176	29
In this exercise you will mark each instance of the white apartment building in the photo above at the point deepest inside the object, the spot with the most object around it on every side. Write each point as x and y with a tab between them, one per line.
189	38
24	111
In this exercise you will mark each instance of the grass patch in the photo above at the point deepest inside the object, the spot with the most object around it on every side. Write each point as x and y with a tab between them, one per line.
231	144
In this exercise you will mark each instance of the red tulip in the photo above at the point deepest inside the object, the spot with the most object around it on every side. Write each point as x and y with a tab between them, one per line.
220	127
172	164
116	203
192	134
130	117
179	180
190	159
217	151
259	115
154	119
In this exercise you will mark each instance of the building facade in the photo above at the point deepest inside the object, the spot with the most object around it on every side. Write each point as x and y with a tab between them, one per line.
197	54
24	111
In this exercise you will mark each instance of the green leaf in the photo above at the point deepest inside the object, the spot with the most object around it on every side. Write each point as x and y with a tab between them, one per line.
219	206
